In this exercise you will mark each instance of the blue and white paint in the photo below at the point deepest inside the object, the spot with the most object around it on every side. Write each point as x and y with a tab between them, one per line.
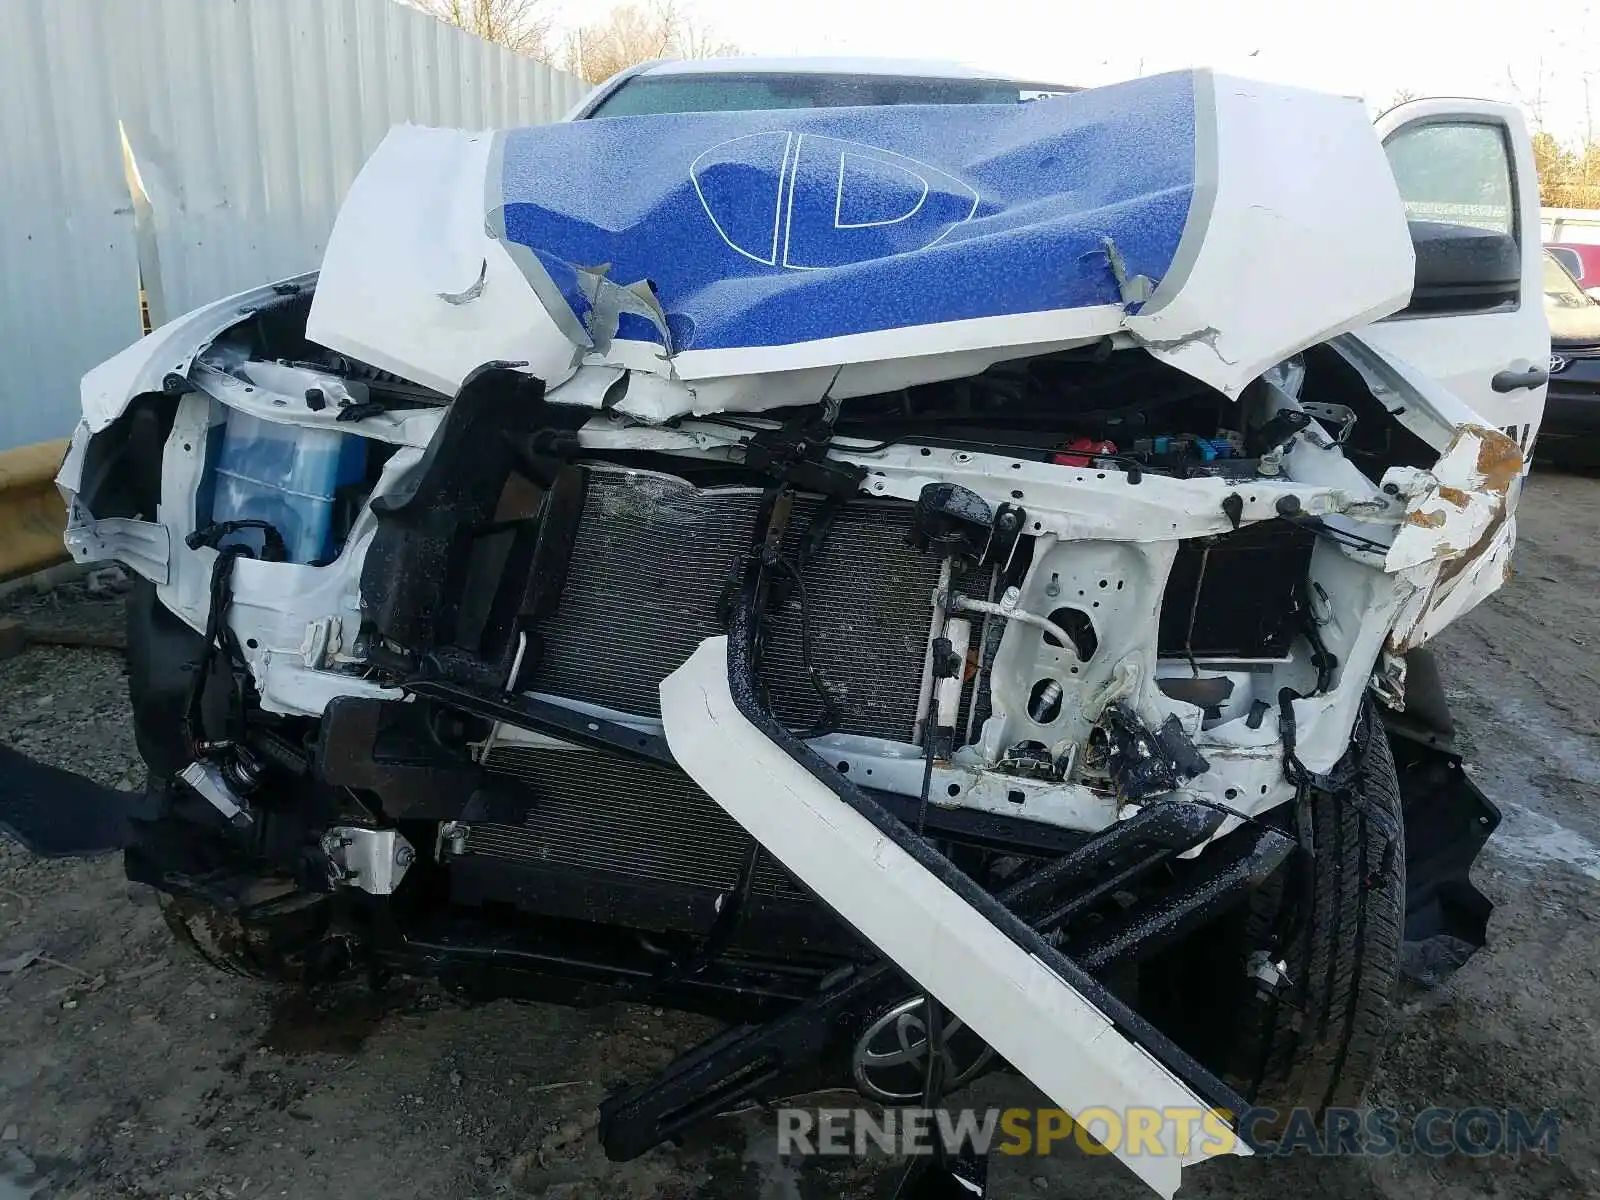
750	260
780	227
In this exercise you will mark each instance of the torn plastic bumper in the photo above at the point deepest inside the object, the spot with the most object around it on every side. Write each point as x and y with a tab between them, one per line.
1448	821
1456	540
760	1061
1039	1009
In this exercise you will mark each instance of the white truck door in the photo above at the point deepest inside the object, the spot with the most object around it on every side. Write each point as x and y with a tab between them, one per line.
1476	320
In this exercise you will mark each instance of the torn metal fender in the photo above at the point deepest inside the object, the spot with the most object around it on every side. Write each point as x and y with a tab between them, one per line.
1037	1021
413	281
169	350
1455	541
1292	237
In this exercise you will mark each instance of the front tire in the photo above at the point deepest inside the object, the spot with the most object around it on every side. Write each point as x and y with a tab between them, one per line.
1340	917
288	949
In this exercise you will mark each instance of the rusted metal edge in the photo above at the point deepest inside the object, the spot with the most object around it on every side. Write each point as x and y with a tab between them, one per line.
1455	542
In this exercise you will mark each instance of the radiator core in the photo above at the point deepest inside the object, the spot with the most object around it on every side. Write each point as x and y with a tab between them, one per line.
653	557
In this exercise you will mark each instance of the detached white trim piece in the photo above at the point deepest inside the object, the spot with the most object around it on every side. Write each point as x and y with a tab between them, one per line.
1032	1017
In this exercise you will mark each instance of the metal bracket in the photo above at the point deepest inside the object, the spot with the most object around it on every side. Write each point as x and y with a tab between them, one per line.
797	453
209	784
374	860
143	545
451	841
541	716
1340	415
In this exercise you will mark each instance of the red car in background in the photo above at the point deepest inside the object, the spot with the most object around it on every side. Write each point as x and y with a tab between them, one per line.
1582	261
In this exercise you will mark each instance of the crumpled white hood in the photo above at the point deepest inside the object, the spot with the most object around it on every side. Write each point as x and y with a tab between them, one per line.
1220	223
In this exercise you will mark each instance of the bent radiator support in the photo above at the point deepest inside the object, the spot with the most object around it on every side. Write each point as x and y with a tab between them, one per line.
949	935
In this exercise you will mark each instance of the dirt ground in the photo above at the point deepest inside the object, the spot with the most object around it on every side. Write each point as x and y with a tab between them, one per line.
127	1069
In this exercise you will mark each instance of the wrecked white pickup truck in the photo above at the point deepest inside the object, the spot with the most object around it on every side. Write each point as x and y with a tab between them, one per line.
939	580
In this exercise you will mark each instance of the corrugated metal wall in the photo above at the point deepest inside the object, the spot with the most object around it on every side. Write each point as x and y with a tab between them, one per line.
68	272
247	120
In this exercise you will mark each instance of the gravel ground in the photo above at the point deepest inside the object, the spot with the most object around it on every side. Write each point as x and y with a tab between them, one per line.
126	1069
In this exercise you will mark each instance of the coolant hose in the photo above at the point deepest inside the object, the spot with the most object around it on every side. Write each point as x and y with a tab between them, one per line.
1006	609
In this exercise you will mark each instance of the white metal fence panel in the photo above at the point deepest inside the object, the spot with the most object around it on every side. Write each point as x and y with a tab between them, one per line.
68	274
1581	225
262	111
246	121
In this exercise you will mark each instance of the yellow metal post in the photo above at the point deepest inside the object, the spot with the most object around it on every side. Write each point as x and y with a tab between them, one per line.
32	514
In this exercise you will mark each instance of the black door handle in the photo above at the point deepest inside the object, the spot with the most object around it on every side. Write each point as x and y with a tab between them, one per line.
1511	381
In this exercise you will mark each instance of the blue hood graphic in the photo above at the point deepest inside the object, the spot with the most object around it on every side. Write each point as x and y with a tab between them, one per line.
751	260
772	228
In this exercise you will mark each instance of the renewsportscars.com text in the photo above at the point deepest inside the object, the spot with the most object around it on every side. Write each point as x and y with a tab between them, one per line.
1433	1132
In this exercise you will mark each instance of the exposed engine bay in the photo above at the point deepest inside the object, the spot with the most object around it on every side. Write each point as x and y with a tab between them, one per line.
1077	605
1064	689
1096	534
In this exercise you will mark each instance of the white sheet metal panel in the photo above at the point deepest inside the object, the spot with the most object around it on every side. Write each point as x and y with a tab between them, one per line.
68	277
247	119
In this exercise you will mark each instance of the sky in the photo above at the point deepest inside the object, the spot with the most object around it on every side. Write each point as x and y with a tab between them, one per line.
1544	54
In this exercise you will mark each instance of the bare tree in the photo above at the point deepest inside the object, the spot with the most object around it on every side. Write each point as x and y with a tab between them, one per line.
696	39
1532	101
1588	112
633	33
1569	172
519	25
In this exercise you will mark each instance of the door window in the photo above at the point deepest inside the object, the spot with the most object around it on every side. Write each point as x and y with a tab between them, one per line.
1456	181
1455	173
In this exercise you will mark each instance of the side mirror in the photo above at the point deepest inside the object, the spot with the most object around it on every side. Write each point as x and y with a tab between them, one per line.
1461	268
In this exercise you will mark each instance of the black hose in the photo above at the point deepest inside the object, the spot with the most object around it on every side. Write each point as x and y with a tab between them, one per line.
828	719
218	634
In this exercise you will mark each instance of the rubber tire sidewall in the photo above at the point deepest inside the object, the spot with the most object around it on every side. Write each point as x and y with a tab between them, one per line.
1319	1046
